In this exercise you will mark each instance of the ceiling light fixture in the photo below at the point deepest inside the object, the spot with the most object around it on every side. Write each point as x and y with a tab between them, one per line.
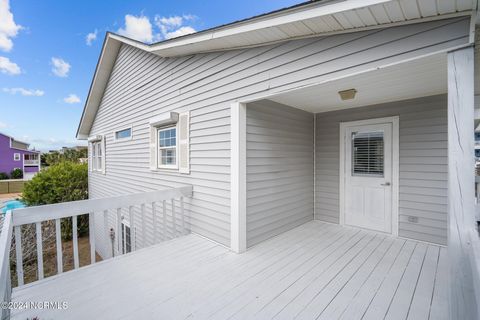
347	94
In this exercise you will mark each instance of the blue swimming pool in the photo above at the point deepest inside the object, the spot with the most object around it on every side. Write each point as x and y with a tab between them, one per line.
12	204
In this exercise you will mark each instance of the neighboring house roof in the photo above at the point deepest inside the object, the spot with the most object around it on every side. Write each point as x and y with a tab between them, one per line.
307	19
18	141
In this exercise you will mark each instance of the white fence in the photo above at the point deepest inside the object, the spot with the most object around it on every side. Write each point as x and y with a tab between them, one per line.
14	220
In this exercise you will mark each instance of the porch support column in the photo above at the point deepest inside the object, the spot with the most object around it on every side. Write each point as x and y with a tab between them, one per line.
238	185
463	269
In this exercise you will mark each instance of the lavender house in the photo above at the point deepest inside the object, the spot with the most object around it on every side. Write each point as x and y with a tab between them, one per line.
15	154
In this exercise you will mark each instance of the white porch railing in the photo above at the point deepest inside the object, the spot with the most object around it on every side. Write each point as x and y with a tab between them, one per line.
31	162
171	200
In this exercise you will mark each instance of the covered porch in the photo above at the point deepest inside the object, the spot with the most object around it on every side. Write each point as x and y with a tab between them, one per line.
315	271
295	159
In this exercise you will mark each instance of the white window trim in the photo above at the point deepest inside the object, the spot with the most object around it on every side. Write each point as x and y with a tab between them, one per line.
157	146
122	129
17	157
95	157
93	165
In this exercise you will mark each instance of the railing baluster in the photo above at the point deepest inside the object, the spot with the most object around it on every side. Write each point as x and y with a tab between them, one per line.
174	220
19	254
58	243
119	231
154	218
107	231
144	226
133	235
76	263
182	214
38	231
91	234
164	228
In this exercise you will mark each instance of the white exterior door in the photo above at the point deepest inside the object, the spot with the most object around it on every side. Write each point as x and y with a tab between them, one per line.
368	176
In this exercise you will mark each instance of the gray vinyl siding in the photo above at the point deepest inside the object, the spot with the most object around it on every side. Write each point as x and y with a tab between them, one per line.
279	169
423	164
142	86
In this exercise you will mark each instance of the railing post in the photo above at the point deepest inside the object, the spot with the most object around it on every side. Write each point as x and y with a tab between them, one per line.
58	237
107	233
91	234
38	229
182	213
119	231
174	220
164	228
155	227
133	236
19	254
5	242
76	262
144	227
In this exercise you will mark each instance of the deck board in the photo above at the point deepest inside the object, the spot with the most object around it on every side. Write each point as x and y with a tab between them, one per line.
315	271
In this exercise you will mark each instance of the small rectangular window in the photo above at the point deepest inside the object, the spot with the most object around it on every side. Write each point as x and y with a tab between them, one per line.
123	134
97	156
368	153
16	157
167	147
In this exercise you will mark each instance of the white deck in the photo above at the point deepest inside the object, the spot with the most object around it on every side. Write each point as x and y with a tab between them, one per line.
316	271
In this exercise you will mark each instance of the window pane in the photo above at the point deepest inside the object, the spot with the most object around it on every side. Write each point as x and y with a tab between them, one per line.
167	138
167	157
367	153
122	134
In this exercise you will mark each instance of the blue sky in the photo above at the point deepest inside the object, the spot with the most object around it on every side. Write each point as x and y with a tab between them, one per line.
47	62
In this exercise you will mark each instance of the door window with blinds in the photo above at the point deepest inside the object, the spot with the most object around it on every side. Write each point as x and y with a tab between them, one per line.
368	154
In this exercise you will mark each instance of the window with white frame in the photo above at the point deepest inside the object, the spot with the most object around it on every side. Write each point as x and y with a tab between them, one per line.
16	157
170	142
125	134
97	156
167	147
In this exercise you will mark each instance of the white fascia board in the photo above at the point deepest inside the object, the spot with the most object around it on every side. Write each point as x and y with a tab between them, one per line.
269	21
100	79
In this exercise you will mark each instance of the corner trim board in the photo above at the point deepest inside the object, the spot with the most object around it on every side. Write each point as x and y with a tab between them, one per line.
238	186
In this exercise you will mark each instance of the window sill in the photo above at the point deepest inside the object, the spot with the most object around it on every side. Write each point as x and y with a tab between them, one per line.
173	169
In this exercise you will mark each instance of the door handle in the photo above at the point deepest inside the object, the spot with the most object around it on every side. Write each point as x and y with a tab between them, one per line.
386	184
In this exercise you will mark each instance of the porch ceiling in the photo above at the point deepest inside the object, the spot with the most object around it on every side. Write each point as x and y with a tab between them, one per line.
413	79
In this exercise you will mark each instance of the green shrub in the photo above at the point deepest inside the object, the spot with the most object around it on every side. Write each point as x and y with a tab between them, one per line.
61	182
16	173
3	176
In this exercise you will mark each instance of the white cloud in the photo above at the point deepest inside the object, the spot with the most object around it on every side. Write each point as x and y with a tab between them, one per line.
9	67
8	28
138	28
173	26
175	21
71	99
60	67
179	32
24	92
92	36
